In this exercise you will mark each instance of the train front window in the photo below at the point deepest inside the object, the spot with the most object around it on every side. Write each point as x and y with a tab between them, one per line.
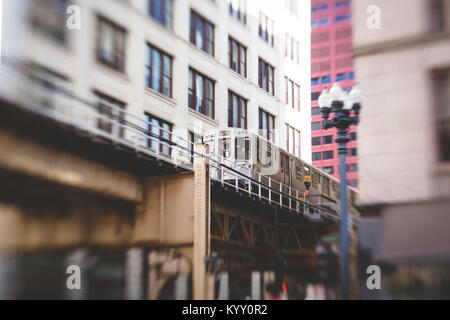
268	155
242	148
225	147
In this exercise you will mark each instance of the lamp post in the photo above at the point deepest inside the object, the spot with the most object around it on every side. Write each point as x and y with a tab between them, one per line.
340	103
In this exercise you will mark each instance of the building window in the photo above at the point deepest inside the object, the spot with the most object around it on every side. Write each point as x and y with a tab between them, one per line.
344	17
352	167
237	111
237	10
193	139
266	28
320	37
315	111
340	77
317	8
108	108
201	93
315	81
202	33
315	126
292	6
441	85
342	3
327	139
111	45
292	140
292	94
321	66
328	170
326	79
160	133
320	52
316	141
266	76
316	156
319	22
292	49
158	73
49	16
327	155
440	15
266	125
353	136
161	11
237	54
315	95
352	152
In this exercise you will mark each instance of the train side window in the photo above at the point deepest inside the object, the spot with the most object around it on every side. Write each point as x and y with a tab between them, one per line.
298	172
242	148
314	179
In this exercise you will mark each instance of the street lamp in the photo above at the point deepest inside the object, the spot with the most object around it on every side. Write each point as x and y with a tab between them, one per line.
340	103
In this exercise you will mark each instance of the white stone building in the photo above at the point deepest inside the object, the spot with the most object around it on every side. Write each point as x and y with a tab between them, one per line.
109	56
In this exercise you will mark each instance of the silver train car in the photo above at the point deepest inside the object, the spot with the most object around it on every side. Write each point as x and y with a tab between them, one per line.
254	156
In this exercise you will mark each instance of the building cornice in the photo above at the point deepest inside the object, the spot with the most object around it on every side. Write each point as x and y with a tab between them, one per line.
400	44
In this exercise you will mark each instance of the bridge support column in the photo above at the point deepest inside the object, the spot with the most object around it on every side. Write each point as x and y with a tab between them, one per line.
203	286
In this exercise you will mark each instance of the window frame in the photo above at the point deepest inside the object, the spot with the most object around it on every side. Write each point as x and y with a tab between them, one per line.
194	18
163	12
149	69
270	73
110	113
320	125
241	102
266	33
270	122
51	22
240	46
328	152
195	73
292	146
290	45
119	53
241	11
161	122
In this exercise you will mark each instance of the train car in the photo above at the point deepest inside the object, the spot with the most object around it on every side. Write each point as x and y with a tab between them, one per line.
253	156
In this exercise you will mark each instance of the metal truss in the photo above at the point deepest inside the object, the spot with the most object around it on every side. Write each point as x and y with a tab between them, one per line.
237	229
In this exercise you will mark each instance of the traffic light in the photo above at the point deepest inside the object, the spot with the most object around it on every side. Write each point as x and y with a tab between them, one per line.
307	182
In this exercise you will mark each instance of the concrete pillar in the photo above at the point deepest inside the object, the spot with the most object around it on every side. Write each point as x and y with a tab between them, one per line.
223	293
256	285
201	281
182	287
134	289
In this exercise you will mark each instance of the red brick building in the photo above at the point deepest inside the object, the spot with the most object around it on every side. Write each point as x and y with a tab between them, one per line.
331	61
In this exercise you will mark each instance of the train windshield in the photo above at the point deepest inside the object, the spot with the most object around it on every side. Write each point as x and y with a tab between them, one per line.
225	147
242	148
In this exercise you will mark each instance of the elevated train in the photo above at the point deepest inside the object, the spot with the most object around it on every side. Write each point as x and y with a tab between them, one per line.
256	157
